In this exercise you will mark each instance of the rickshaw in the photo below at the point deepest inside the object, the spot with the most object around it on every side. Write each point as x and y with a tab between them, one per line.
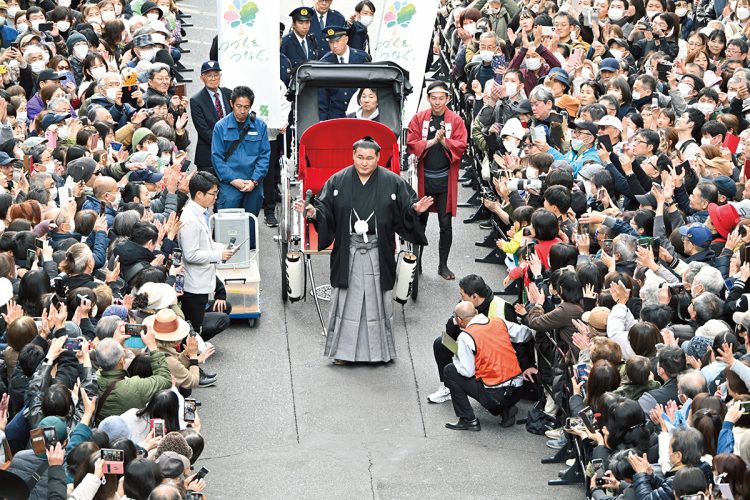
320	149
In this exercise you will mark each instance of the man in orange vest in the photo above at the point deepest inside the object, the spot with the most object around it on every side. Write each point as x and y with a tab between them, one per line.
485	367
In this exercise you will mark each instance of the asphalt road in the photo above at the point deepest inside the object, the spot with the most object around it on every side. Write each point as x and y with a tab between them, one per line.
283	422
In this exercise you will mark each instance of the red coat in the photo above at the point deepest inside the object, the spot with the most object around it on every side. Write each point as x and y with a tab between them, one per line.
456	142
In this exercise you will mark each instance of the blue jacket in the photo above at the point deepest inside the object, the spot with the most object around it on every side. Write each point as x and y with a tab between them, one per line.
577	160
92	203
251	158
291	48
334	102
9	36
358	37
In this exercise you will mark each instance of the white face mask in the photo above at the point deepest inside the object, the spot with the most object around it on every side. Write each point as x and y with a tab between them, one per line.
63	133
148	55
486	55
118	9
21	116
743	13
636	96
81	51
685	90
366	20
35	25
152	17
705	141
99	144
64	3
731	96
12	11
38	66
511	88
153	149
531	173
22	28
117	200
94	20
108	15
617	54
98	72
63	26
652	13
470	29
615	14
705	107
112	94
53	192
533	63
681	12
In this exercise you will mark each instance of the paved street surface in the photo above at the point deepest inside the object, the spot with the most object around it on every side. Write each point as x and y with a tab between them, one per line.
283	422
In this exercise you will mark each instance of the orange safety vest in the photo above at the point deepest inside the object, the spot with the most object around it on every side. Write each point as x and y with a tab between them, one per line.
495	359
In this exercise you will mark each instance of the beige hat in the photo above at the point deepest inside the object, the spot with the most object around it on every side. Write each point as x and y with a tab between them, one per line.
597	318
167	326
160	295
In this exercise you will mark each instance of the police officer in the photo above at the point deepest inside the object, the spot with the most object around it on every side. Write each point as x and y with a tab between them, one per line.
324	17
299	45
334	102
284	62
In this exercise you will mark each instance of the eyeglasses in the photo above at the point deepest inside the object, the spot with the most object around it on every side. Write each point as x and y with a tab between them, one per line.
578	133
641	141
212	193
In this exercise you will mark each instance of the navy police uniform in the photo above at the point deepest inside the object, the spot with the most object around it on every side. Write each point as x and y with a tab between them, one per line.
291	46
332	19
334	102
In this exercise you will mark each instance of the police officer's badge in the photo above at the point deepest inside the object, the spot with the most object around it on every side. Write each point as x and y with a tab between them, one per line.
303	12
331	32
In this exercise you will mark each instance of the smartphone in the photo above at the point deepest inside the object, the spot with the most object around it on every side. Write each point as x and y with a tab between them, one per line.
28	164
46	27
179	283
742	231
15	45
176	257
682	167
583	228
73	344
745	406
605	141
134	330
185	166
194	495
662	68
51	137
59	287
581	369
30	258
135	342
538	133
530	250
587	416
655	248
731	142
179	90
645	242
746	254
39	243
676	289
50	437
526	232
37	441
201	473
654	102
102	208
114	461
548	30
607	246
573	422
189	411
157	424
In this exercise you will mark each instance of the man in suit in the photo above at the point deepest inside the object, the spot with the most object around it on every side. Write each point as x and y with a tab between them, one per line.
300	45
324	17
208	106
200	253
334	102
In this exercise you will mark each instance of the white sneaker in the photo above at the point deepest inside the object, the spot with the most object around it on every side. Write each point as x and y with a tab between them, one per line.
442	395
554	433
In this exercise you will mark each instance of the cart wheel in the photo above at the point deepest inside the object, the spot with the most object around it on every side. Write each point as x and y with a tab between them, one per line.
252	322
415	285
284	278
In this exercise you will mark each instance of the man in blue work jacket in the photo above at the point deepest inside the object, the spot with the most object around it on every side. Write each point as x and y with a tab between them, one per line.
333	103
241	154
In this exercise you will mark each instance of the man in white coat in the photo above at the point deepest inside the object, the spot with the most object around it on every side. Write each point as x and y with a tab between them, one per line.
200	253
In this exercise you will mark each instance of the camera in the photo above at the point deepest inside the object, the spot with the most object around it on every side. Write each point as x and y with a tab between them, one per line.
524	184
600	481
488	194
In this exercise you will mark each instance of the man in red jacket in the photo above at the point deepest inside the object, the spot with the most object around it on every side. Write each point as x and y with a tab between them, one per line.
438	137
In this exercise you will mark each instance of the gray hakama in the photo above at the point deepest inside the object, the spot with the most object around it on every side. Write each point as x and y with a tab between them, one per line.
360	327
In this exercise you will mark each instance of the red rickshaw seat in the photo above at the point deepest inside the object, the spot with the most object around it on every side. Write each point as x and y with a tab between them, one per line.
326	148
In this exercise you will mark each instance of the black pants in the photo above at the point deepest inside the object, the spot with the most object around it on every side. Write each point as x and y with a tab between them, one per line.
271	180
445	220
494	400
443	356
194	308
215	322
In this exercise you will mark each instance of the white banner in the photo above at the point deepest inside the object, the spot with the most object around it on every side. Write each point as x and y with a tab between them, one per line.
249	52
405	36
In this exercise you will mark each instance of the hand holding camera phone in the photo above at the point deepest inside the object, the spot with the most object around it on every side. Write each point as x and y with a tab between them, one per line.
157	425
114	461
